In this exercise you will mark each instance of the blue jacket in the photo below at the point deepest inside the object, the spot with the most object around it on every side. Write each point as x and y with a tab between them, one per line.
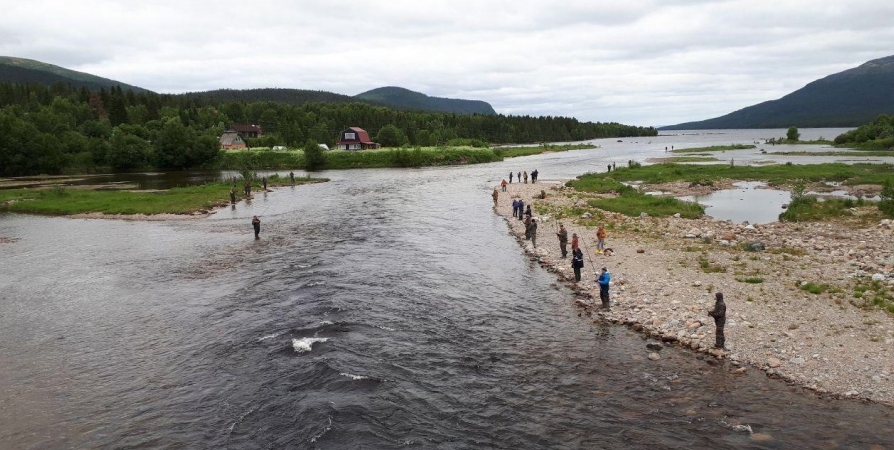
604	279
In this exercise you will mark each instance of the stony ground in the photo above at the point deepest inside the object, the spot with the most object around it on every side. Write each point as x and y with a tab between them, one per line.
800	309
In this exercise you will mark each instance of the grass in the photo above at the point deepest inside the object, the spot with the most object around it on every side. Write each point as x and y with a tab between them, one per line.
813	288
714	148
856	153
688	159
707	267
807	209
66	201
631	202
774	174
341	159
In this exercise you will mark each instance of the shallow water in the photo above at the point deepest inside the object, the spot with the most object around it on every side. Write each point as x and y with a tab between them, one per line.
385	309
749	201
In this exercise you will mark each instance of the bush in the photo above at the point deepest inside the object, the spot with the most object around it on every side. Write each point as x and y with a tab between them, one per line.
314	158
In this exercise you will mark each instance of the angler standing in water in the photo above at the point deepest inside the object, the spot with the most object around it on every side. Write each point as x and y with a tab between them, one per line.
510	177
232	196
495	195
292	176
256	223
264	180
719	315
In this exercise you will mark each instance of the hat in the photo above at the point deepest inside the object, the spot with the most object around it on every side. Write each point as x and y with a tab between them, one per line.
605	269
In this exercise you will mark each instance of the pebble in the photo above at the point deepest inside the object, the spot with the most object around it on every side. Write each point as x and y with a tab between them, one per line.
654	356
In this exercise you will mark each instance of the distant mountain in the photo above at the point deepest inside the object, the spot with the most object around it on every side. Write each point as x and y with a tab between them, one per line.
400	98
291	96
846	99
21	70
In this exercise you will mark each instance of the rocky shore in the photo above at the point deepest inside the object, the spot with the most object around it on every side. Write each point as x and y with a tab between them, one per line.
802	298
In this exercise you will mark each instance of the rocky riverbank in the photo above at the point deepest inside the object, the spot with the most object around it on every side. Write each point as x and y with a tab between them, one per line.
805	301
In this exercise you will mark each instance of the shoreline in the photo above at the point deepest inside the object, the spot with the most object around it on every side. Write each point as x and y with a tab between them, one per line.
665	271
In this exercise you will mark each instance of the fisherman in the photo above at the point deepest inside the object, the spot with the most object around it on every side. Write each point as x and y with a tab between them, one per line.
574	244
533	176
510	177
719	315
495	195
526	177
604	280
528	211
521	209
600	239
534	232
527	227
264	180
563	239
232	196
256	223
292	176
514	208
247	188
577	262
614	166
518	177
503	184
609	168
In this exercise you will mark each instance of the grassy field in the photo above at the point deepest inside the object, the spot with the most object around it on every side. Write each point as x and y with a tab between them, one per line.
366	159
856	153
66	201
774	174
714	148
631	202
688	159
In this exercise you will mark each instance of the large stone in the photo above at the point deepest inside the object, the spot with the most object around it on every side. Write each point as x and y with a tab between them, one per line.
773	362
654	356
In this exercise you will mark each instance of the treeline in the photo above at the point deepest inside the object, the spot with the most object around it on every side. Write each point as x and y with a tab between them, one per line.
60	129
875	135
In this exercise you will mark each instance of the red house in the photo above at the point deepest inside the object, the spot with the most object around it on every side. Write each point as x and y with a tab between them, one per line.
355	138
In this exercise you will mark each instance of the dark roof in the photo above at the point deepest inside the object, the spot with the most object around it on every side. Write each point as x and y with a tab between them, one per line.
362	136
243	128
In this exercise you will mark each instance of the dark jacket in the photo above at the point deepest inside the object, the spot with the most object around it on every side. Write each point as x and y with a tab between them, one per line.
719	312
577	259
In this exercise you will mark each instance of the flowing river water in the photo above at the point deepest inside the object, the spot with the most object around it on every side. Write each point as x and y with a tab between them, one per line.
384	309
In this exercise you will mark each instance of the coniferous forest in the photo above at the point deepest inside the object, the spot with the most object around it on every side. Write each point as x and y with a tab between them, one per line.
61	129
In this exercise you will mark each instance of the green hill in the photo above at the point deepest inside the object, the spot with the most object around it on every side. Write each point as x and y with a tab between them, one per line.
21	70
26	71
290	96
845	99
400	98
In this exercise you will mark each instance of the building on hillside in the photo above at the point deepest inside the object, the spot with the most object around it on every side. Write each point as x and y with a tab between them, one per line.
355	138
247	131
230	139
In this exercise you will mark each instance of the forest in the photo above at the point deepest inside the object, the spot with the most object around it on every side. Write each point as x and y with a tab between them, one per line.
61	129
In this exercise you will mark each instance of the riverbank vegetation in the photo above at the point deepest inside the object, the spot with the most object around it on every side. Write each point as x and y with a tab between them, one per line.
366	159
780	174
60	200
714	148
875	135
60	129
628	200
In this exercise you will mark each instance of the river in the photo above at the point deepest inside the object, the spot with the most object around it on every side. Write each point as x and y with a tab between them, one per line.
384	309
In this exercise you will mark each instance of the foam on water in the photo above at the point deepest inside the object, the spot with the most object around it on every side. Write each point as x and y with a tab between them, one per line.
354	377
304	345
269	336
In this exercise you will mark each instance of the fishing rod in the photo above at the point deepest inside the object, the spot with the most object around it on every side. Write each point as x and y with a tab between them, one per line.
587	249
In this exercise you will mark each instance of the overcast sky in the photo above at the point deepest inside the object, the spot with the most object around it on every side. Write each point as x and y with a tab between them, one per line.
640	62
